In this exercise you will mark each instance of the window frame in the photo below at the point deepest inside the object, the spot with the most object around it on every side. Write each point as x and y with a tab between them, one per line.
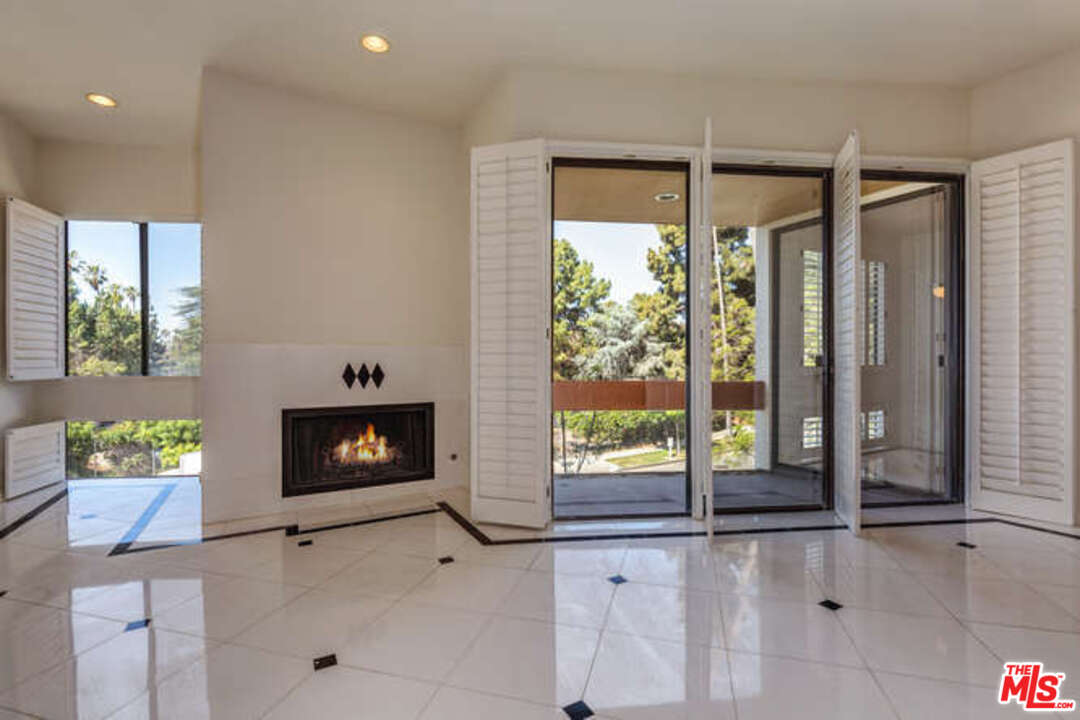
144	293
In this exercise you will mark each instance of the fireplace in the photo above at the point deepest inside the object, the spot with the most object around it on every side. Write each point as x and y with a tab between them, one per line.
342	448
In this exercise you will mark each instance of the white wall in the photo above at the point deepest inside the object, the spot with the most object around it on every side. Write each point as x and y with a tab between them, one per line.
17	179
659	108
89	181
331	235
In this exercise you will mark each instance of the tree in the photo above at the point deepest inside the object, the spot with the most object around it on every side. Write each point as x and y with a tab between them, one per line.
181	349
577	294
664	311
733	300
104	329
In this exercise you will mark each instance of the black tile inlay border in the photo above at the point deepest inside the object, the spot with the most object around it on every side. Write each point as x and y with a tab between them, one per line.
33	513
325	661
578	711
477	534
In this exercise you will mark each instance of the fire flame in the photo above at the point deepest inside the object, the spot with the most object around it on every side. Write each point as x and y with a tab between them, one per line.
366	448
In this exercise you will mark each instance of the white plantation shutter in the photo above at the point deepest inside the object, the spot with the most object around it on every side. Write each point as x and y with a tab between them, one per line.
1021	325
33	458
848	324
35	284
511	379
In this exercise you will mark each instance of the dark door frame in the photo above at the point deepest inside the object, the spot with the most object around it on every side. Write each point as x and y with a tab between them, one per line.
825	174
955	323
684	167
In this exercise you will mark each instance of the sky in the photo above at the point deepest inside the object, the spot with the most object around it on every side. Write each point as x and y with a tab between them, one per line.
175	258
617	252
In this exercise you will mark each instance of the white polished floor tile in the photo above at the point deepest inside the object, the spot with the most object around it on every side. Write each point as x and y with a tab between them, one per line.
341	692
637	678
779	627
314	624
381	574
528	660
308	566
419	641
1005	602
158	590
35	638
563	599
456	704
877	589
768	688
666	613
467	587
1067	596
932	647
751	575
224	610
103	679
920	555
518	557
1060	651
921	698
595	558
1047	565
677	566
230	682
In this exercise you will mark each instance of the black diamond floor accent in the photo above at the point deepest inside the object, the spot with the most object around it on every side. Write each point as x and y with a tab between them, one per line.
305	543
3	593
363	375
830	604
137	625
321	663
966	544
446	560
578	711
349	376
618	580
377	375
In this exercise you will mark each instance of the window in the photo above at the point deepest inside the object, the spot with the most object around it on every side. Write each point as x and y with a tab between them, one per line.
811	433
134	298
874	331
875	425
812	310
133	448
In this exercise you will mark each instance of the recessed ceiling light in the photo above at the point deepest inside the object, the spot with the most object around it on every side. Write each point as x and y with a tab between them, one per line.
666	197
375	43
101	99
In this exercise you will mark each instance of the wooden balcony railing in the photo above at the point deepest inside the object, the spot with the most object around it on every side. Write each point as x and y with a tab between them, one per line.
651	395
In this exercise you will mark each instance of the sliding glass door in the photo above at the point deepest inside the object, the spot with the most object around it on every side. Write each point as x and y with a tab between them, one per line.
620	260
769	339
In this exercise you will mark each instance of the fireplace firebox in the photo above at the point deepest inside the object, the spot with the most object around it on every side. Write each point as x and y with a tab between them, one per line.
342	448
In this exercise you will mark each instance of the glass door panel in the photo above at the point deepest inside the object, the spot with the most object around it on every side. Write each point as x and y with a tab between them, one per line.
619	361
909	239
768	340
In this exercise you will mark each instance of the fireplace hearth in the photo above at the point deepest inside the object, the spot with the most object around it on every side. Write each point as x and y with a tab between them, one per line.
343	448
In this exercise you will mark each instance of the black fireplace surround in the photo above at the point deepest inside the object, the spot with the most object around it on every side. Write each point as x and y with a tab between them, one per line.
343	448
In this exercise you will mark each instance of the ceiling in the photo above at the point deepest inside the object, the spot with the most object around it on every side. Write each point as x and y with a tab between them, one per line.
604	194
149	53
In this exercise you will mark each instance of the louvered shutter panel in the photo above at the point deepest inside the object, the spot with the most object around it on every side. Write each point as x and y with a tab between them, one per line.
511	380
1022	329
35	284
848	323
33	458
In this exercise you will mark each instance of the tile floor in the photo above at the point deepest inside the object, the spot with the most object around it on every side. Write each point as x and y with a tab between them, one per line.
727	630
